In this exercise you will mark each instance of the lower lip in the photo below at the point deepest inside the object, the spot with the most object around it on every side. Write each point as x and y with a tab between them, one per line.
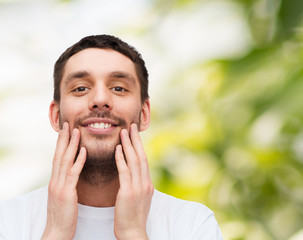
100	130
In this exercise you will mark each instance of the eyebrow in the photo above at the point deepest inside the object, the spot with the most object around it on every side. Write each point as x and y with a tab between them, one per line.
75	75
123	75
114	74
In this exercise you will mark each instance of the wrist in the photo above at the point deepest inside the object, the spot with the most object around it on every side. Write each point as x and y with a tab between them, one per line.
132	236
55	235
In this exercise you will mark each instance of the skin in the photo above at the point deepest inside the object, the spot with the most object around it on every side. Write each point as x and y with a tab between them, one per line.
98	79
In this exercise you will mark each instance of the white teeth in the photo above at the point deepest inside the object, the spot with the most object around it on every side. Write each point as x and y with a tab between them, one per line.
100	125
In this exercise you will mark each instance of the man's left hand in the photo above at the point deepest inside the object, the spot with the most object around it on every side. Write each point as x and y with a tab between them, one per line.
136	189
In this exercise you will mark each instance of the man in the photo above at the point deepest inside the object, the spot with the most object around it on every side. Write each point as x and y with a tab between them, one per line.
100	187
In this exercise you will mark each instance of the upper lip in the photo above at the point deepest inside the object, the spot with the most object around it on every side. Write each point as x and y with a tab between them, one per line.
99	120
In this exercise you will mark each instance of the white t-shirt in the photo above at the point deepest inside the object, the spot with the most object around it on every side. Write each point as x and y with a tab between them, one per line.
24	218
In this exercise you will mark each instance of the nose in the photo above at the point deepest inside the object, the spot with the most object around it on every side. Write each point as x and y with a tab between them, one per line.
100	99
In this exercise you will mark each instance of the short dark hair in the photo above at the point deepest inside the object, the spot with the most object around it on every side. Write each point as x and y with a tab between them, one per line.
103	42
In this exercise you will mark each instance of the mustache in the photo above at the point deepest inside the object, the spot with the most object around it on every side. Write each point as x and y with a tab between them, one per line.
101	114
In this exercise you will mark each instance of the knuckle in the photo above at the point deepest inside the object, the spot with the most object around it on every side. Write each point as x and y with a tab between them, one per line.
72	174
62	163
136	160
62	196
51	188
149	188
123	171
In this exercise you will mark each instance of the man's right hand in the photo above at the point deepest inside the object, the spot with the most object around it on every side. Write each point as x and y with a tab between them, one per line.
62	206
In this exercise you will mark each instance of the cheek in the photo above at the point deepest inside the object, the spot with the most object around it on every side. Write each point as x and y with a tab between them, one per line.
69	113
129	111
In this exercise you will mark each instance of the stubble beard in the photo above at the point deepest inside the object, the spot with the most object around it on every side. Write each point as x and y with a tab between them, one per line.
100	165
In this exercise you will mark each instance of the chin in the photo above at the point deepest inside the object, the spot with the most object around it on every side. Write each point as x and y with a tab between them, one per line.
99	148
100	165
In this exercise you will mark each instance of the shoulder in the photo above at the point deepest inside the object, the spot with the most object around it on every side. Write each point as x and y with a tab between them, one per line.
177	206
184	219
35	197
19	214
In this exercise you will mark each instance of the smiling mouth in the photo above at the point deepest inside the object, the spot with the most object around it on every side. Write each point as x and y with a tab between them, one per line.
100	125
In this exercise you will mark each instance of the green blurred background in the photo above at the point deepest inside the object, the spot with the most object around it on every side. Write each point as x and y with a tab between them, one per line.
232	135
227	131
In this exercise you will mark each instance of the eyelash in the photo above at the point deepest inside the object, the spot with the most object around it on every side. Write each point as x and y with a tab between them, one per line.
78	89
115	89
121	89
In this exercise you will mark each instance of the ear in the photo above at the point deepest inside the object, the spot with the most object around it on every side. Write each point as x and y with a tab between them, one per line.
145	115
54	115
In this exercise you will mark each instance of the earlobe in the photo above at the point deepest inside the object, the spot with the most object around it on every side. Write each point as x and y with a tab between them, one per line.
54	115
145	116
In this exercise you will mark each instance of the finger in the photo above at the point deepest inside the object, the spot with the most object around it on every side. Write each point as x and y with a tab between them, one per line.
124	174
69	155
75	171
132	160
138	147
62	143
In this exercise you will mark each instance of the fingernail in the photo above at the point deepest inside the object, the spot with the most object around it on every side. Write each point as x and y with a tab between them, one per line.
82	150
134	126
64	125
124	132
74	133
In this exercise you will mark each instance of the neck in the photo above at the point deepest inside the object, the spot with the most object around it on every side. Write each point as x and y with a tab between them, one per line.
101	195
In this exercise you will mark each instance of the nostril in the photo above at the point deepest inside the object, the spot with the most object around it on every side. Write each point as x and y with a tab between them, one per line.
104	106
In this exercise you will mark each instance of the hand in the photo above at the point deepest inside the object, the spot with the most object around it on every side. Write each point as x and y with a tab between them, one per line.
136	189
62	205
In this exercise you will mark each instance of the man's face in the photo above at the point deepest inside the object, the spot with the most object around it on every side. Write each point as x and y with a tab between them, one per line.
100	95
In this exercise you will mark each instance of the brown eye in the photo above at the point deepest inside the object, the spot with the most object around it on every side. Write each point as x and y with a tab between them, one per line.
81	89
118	89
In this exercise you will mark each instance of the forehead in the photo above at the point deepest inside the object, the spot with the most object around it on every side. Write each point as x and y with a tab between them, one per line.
99	62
